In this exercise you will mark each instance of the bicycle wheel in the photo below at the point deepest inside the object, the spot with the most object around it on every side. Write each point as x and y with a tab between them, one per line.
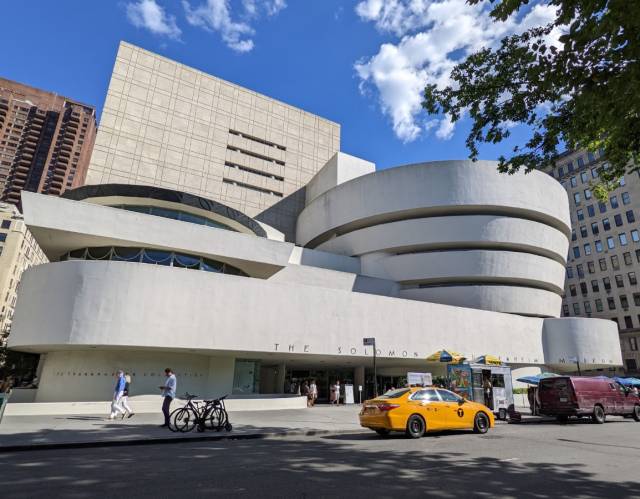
216	420
184	419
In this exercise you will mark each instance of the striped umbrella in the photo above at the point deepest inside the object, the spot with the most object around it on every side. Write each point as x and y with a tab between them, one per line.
488	360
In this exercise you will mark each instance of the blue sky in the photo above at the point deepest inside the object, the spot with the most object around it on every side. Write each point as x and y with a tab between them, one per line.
359	63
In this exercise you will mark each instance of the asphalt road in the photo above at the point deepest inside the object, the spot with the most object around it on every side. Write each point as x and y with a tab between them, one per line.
525	461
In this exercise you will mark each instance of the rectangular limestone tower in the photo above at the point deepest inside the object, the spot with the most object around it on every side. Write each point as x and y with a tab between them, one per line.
169	125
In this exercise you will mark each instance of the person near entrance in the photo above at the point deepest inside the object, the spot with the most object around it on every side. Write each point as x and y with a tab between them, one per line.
168	394
333	394
487	388
313	392
304	390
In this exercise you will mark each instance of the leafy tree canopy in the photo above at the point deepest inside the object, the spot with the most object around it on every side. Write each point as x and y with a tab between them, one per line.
582	94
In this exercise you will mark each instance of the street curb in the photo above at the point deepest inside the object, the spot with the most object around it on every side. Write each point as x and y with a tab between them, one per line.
174	440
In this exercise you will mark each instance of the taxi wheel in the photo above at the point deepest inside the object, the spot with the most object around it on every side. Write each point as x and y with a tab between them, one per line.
383	432
415	426
481	423
636	413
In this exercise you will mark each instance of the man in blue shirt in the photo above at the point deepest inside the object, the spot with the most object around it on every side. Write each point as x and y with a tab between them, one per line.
117	395
168	394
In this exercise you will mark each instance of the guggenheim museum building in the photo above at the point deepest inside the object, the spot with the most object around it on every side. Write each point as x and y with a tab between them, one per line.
246	298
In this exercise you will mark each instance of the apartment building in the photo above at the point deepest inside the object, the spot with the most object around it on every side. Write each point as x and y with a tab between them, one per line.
603	264
18	251
168	125
45	141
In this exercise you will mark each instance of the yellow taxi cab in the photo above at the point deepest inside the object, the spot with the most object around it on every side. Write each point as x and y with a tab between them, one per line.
417	410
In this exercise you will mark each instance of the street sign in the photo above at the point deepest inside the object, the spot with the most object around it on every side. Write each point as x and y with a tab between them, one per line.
369	342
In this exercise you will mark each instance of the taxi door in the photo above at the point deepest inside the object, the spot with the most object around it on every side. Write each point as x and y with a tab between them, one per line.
455	415
427	403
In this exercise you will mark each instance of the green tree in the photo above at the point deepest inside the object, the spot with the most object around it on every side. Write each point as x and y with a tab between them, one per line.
584	95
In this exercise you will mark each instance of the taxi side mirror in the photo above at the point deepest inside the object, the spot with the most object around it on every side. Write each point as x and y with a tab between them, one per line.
461	401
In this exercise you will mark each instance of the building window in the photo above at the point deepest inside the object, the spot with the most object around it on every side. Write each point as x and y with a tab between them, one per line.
6	224
611	303
576	252
587	195
632	278
576	309
610	243
591	157
628	322
594	228
624	302
573	182
565	310
630	216
583	231
614	201
574	237
587	307
569	272
602	207
626	199
603	264
598	246
560	171
605	224
633	344
607	283
594	172
580	214
615	263
591	267
619	281
618	220
570	166
623	238
627	258
584	177
576	198
594	286
636	299
599	307
580	162
635	237
572	290
591	211
631	364
583	289
587	248
3	237
580	269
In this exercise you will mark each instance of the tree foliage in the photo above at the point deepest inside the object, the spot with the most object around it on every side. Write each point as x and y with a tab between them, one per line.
584	94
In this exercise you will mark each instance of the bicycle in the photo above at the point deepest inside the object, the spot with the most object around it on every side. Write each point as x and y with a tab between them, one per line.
207	414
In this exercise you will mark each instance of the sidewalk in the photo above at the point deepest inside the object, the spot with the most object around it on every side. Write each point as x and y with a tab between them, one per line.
42	432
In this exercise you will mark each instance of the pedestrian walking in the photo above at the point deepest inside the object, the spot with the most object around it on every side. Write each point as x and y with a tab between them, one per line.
313	390
168	394
332	394
305	392
118	391
338	392
487	388
124	400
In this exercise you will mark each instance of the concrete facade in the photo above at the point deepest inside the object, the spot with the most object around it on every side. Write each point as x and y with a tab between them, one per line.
287	309
166	124
604	255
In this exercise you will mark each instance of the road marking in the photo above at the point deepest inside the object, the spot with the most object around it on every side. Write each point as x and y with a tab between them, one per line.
509	459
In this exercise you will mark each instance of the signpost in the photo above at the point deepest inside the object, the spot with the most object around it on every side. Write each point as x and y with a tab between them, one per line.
371	342
577	361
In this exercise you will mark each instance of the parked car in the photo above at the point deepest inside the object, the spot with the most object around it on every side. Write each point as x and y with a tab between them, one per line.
567	396
417	410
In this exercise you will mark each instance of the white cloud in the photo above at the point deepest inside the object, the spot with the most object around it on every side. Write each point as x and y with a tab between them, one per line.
149	15
433	35
236	30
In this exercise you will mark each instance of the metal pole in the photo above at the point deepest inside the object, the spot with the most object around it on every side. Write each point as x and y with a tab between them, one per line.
375	376
578	362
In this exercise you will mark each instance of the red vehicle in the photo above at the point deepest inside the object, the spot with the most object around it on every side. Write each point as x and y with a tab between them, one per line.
566	396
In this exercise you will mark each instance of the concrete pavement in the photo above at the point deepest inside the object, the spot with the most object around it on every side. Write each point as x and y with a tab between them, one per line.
534	461
27	432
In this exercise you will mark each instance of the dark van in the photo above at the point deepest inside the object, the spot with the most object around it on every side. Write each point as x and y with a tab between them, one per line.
566	396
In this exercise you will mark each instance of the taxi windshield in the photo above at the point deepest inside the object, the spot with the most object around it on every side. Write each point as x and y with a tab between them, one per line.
394	394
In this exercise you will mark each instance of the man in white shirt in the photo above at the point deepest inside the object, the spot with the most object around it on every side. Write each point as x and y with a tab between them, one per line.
168	394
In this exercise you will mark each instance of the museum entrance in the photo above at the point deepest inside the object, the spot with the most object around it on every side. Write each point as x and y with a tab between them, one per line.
323	378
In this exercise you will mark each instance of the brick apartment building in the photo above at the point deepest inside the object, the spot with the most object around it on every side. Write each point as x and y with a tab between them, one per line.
45	141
